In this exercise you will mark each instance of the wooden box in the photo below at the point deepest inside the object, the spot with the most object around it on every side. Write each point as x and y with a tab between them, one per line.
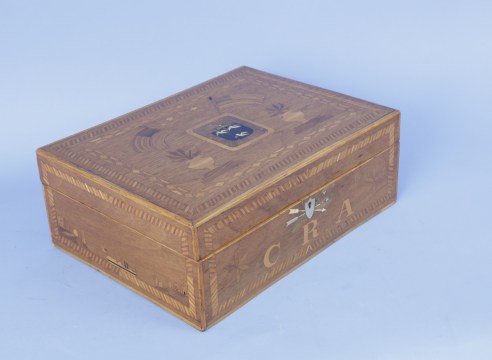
202	200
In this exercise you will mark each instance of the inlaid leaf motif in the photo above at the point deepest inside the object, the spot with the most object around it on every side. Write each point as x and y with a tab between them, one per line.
277	109
183	155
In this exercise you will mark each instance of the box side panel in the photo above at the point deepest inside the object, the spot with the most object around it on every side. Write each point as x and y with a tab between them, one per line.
140	263
242	269
143	218
252	210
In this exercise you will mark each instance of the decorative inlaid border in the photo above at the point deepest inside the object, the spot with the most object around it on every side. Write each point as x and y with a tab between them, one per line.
294	181
114	201
146	110
207	85
212	273
168	200
217	306
266	171
116	271
315	246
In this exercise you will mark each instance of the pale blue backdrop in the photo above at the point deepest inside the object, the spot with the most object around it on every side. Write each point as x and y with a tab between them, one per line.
413	283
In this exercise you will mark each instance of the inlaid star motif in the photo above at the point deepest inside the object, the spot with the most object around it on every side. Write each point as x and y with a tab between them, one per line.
238	265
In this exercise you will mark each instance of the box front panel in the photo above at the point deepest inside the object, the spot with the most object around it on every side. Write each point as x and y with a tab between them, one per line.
242	269
230	224
165	277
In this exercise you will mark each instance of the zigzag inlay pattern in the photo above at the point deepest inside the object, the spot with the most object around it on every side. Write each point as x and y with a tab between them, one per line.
124	275
309	172
109	267
189	277
330	236
300	255
212	274
52	212
98	193
391	165
165	200
263	168
135	115
263	279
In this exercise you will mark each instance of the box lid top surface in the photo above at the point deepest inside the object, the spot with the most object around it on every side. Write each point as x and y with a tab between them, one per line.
201	150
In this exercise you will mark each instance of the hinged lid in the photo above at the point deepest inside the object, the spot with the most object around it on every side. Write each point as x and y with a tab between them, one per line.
216	154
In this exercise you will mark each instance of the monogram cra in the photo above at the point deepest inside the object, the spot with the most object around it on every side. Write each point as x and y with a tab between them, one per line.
311	231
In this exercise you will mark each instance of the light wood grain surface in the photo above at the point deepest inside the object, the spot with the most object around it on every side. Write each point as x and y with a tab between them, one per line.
202	200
